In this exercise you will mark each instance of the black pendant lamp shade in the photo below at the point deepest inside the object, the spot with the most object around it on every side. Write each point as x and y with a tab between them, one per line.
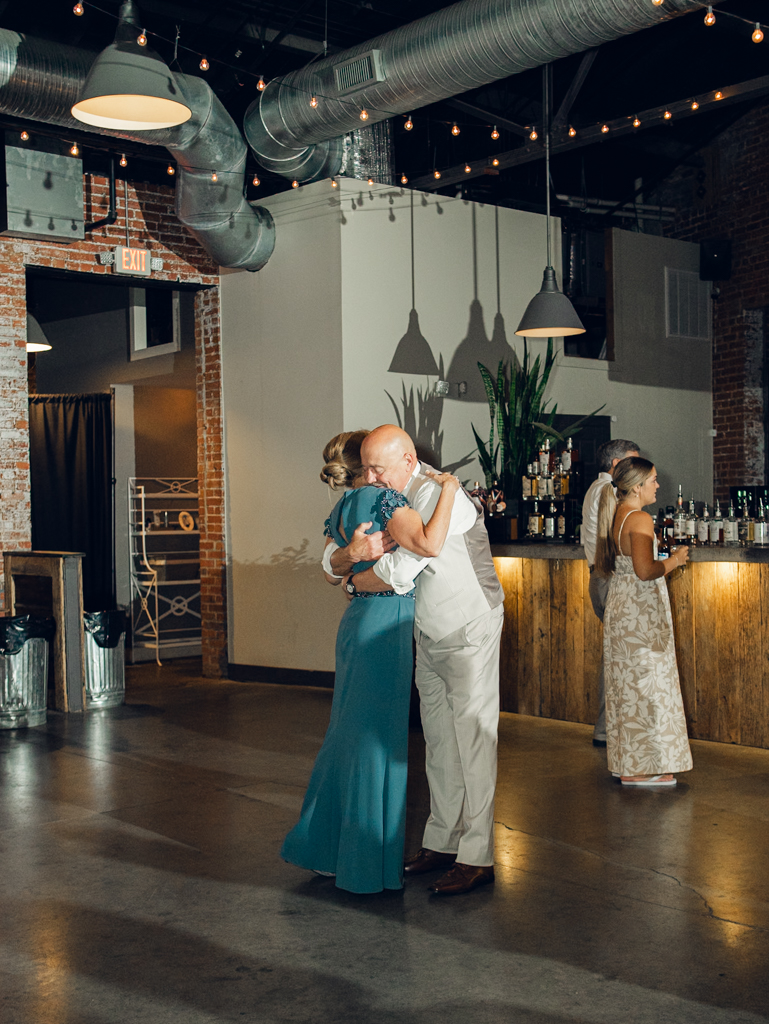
129	87
550	314
36	339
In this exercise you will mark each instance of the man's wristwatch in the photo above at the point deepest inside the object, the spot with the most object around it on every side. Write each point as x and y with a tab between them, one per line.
349	586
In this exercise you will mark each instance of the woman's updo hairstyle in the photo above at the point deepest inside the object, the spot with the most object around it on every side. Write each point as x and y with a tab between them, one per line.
342	458
627	474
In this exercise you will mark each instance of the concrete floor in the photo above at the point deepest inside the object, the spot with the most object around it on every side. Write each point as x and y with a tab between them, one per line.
141	882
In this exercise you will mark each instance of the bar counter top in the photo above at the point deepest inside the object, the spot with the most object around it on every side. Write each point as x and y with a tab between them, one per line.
534	549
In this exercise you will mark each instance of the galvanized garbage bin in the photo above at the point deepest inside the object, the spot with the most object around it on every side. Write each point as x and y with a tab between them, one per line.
104	659
24	670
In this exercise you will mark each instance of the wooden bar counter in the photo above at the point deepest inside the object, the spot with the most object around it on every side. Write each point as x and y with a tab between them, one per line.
551	640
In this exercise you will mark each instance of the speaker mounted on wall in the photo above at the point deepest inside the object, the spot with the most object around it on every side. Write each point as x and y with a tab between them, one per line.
716	260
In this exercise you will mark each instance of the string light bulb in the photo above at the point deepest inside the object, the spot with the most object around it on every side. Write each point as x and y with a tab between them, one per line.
404	179
533	135
758	35
204	65
171	170
409	124
141	39
363	115
710	18
455	129
667	115
494	133
74	150
214	176
370	182
604	128
78	9
24	136
256	181
572	132
436	174
294	183
719	95
313	101
261	85
695	105
636	122
468	168
334	183
123	161
657	3
495	162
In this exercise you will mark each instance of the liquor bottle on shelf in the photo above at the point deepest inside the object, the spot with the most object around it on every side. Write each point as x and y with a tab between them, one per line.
566	456
669	512
703	527
731	529
560	524
717	526
544	456
761	527
746	528
550	522
564	477
691	525
535	521
659	526
558	479
663	547
526	483
679	520
548	490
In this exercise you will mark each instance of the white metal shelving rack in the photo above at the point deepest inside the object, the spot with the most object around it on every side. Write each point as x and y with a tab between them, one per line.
165	566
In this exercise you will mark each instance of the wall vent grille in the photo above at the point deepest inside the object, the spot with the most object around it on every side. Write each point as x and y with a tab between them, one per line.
687	305
358	72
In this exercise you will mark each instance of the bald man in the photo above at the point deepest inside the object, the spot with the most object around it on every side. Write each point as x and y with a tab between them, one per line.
458	624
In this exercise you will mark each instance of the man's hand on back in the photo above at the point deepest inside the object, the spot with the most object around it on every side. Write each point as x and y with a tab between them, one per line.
363	547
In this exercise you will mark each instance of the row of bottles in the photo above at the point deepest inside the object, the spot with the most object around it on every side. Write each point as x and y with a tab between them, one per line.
676	525
552	475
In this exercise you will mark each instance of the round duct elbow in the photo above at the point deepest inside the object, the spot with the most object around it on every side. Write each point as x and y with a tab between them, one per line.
309	163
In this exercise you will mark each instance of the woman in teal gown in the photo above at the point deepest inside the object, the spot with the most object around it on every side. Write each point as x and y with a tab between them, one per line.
353	817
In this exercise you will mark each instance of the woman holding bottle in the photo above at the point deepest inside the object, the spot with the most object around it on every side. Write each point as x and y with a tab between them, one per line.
646	733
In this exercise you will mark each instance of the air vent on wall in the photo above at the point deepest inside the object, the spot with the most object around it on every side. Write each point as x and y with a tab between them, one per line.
359	72
687	305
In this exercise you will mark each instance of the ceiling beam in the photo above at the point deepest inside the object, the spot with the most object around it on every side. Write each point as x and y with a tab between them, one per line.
621	126
486	115
572	92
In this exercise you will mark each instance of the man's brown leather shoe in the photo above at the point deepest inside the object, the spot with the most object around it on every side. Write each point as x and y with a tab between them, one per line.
463	878
427	860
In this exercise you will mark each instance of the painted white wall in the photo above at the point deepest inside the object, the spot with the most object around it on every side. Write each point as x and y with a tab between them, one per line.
307	344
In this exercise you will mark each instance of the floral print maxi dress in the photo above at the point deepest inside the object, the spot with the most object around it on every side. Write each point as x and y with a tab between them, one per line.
645	722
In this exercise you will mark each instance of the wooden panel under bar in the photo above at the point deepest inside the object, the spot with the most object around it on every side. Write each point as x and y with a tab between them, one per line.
551	642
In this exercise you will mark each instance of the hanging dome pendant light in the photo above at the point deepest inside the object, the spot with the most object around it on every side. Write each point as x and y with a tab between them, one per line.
129	87
550	314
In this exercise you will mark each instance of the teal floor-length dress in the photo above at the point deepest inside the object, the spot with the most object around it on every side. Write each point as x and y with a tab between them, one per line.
354	813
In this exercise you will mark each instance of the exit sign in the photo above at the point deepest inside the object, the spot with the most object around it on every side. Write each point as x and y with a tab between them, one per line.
136	262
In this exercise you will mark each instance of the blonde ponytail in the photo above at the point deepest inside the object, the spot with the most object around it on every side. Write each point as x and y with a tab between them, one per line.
342	459
605	548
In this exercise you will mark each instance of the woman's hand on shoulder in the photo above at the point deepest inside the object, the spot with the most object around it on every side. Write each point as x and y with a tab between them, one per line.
445	480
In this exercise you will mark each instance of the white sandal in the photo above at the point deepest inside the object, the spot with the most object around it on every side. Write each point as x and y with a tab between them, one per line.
651	780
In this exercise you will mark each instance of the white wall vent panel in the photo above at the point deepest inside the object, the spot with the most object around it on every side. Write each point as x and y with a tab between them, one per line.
363	70
687	305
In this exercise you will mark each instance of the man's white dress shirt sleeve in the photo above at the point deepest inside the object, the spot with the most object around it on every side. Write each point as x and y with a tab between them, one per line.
589	529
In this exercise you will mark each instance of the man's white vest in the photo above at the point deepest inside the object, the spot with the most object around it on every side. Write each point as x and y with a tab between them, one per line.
460	584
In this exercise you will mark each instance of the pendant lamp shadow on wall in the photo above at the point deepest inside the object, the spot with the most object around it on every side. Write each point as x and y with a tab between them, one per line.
129	87
413	354
36	339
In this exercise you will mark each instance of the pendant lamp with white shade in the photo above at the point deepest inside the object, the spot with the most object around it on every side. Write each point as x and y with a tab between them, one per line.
550	314
129	87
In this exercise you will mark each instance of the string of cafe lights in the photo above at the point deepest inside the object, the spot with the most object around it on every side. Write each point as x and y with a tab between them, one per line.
453	127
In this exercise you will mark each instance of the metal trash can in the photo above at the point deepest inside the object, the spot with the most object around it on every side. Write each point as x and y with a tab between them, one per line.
104	659
24	670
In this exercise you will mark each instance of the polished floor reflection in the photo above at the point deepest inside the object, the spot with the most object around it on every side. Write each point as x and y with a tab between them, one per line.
140	879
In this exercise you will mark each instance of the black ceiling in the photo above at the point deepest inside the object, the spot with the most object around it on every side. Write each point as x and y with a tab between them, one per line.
243	39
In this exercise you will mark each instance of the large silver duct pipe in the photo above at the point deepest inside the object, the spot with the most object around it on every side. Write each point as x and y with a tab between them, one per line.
41	80
452	51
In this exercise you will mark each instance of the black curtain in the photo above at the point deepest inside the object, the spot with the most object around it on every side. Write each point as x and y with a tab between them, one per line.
70	440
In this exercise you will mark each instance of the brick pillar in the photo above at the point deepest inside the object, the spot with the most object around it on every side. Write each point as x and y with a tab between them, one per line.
15	531
213	566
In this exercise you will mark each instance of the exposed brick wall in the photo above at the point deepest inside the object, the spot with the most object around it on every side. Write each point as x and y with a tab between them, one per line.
726	197
153	225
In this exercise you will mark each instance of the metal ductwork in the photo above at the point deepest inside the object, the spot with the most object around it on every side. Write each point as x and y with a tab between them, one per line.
462	47
41	80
